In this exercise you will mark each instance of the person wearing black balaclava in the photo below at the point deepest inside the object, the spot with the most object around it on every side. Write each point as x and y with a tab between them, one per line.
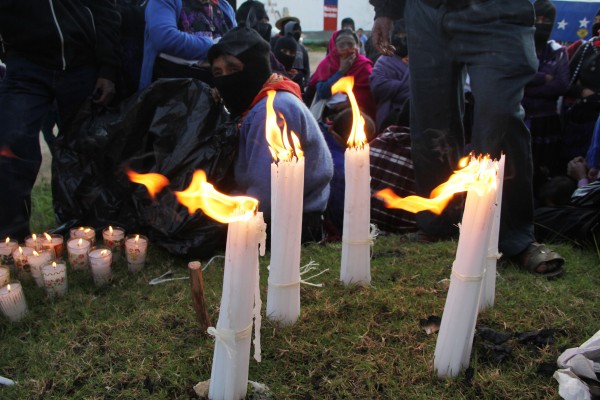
493	42
541	97
253	15
594	32
301	63
390	80
243	78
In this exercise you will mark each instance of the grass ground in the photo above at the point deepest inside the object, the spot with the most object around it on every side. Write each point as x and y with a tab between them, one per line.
131	340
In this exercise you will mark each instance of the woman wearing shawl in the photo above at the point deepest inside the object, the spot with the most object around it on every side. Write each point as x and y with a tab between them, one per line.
343	59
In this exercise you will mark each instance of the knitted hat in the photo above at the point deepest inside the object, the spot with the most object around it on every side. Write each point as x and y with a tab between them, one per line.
545	8
253	9
243	43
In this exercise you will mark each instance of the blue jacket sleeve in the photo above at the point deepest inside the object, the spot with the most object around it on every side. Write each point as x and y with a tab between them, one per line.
324	87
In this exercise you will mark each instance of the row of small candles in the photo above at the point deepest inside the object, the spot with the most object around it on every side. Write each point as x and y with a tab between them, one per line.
41	258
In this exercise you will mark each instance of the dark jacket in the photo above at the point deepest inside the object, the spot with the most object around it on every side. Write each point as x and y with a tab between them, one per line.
61	34
393	9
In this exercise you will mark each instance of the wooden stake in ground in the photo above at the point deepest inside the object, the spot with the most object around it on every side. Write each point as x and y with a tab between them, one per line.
197	286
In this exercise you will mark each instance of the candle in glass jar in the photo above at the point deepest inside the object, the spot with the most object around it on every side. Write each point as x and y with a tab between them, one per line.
55	243
77	249
4	275
114	238
12	301
7	247
55	279
33	241
85	232
36	261
136	247
100	259
21	258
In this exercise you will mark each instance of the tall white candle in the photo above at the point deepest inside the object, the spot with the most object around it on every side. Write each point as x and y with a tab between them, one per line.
55	279
36	261
85	232
356	238
7	247
488	289
12	301
229	375
114	238
4	275
136	248
55	243
455	338
100	259
287	200
21	258
78	253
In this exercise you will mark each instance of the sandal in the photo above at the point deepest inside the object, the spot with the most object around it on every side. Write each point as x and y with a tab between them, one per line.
536	256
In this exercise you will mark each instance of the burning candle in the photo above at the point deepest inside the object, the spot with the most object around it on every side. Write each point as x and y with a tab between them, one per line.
136	248
55	279
114	238
21	257
100	259
4	275
36	261
78	248
33	241
6	249
356	238
287	195
53	243
12	301
85	232
240	300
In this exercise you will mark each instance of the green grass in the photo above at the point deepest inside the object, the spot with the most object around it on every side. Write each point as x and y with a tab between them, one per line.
131	340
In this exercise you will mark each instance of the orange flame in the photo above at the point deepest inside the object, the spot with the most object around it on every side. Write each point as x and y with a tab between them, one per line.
153	182
279	142
358	137
48	237
225	209
5	151
479	174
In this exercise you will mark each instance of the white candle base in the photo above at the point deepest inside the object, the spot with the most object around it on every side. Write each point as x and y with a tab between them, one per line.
12	302
100	259
55	280
136	248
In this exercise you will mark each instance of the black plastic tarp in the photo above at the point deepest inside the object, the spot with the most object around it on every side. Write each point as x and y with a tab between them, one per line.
172	128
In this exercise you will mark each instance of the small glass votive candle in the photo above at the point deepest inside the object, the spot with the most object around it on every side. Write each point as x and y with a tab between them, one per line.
100	259
7	247
114	238
36	261
85	232
12	301
136	248
55	279
55	243
21	258
78	248
4	275
34	241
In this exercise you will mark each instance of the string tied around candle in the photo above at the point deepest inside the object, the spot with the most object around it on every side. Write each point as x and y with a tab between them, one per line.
228	337
373	233
303	270
494	256
467	278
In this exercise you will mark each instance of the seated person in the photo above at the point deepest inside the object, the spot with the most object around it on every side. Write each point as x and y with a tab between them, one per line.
178	35
242	75
343	60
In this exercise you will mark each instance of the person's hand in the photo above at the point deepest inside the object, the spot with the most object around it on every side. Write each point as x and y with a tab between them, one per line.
587	92
381	35
104	91
346	63
593	174
577	168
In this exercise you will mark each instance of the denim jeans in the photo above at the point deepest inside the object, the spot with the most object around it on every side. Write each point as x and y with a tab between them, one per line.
26	94
492	41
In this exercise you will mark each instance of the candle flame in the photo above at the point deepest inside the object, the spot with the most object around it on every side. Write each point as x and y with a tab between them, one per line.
8	287
20	250
103	253
86	230
7	240
358	137
202	195
80	242
478	173
110	230
137	238
154	182
278	139
35	253
34	237
48	237
54	264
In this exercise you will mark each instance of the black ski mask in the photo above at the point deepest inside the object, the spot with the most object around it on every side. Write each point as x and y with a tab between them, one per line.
253	15
543	8
284	48
239	89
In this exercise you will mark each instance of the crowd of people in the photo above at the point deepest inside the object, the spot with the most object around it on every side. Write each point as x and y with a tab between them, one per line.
423	79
